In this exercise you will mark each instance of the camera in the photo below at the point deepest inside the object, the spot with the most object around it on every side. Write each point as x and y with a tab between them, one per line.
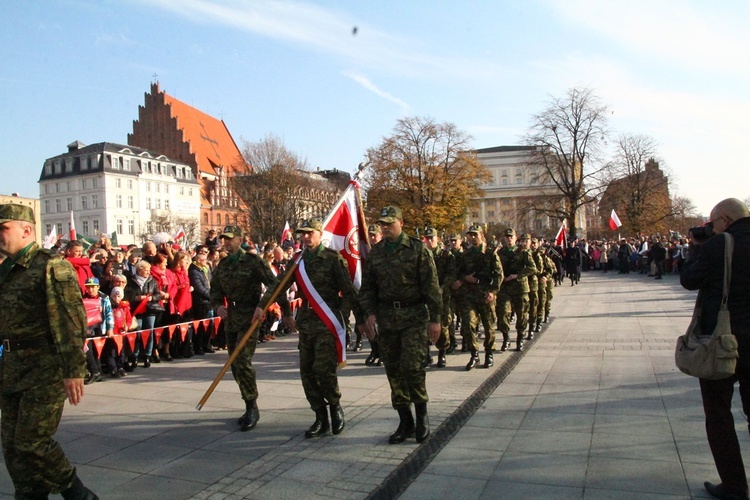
702	233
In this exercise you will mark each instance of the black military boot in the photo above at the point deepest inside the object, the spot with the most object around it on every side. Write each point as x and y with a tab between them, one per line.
473	361
452	346
405	427
506	342
249	420
546	318
77	491
320	426
489	360
538	326
531	333
519	342
337	419
441	359
423	423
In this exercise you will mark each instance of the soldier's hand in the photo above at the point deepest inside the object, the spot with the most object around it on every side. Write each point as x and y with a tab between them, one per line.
74	390
370	327
289	323
457	284
258	315
489	298
433	331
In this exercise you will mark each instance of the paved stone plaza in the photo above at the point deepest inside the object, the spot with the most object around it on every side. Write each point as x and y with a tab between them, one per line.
594	408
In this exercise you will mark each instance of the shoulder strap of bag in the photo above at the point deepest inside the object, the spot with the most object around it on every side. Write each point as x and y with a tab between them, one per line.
728	250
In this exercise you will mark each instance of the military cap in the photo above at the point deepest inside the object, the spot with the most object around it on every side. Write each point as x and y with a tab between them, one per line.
535	240
310	225
232	232
525	236
430	232
475	228
509	232
91	282
13	211
390	214
455	237
374	229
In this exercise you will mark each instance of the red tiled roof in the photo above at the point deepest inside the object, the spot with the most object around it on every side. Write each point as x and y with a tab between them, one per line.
208	137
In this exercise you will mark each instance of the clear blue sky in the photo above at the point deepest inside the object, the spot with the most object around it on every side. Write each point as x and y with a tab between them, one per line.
677	71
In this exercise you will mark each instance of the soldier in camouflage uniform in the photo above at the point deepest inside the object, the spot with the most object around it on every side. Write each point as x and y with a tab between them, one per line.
456	249
533	286
400	289
445	263
374	234
328	278
479	277
514	292
552	266
544	269
43	324
237	280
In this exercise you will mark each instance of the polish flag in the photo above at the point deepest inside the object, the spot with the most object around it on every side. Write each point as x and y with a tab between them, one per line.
286	234
73	235
345	229
614	221
561	236
180	234
51	238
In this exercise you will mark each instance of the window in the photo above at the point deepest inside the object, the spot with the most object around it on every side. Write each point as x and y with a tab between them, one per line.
69	165
118	183
119	227
166	188
131	227
49	228
118	200
57	187
67	186
84	203
182	191
85	227
115	163
83	183
148	203
46	189
59	228
58	205
126	164
130	183
48	171
490	213
148	186
157	203
94	201
96	226
474	215
90	161
505	181
166	204
95	182
58	168
130	202
46	208
190	192
205	217
69	203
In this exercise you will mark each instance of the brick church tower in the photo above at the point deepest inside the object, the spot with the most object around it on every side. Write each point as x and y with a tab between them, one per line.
184	133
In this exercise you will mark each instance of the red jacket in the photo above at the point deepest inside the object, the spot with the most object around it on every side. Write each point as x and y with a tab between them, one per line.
82	265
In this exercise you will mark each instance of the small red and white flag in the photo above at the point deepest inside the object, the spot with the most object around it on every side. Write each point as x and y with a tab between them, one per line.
561	236
73	235
180	234
614	221
51	238
286	234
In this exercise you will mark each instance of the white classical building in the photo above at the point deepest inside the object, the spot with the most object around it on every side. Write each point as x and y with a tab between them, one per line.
114	188
514	185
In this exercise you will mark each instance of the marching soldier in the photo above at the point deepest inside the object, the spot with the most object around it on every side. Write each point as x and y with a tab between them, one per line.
400	291
237	281
375	235
514	292
326	290
477	283
456	249
533	285
445	263
552	266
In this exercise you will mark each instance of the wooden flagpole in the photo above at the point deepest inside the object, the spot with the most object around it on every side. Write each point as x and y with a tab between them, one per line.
288	274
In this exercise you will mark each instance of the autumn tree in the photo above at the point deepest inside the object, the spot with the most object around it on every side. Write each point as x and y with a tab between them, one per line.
568	139
171	222
268	185
684	215
428	170
639	192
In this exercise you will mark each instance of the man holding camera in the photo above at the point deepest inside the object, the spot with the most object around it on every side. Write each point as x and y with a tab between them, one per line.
704	271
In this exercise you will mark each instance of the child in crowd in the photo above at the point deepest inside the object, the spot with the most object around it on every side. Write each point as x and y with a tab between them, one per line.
99	319
123	322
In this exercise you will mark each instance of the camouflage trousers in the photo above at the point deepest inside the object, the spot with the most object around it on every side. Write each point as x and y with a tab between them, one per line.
474	312
317	361
519	303
402	352
242	368
35	461
446	323
533	307
550	292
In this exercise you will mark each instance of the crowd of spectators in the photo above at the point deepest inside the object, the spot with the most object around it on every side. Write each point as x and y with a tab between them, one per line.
145	289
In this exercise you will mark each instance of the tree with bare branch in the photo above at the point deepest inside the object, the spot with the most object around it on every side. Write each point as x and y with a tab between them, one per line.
428	170
568	136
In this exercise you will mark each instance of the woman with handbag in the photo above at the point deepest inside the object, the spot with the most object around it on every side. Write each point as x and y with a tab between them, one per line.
704	271
145	300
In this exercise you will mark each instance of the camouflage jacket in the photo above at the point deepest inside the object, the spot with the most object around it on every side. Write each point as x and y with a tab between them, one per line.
445	263
406	275
330	278
239	281
484	264
519	262
548	265
41	299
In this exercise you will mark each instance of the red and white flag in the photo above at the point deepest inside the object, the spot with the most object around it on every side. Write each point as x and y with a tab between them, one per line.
180	234
345	229
561	236
73	235
614	221
51	238
286	234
